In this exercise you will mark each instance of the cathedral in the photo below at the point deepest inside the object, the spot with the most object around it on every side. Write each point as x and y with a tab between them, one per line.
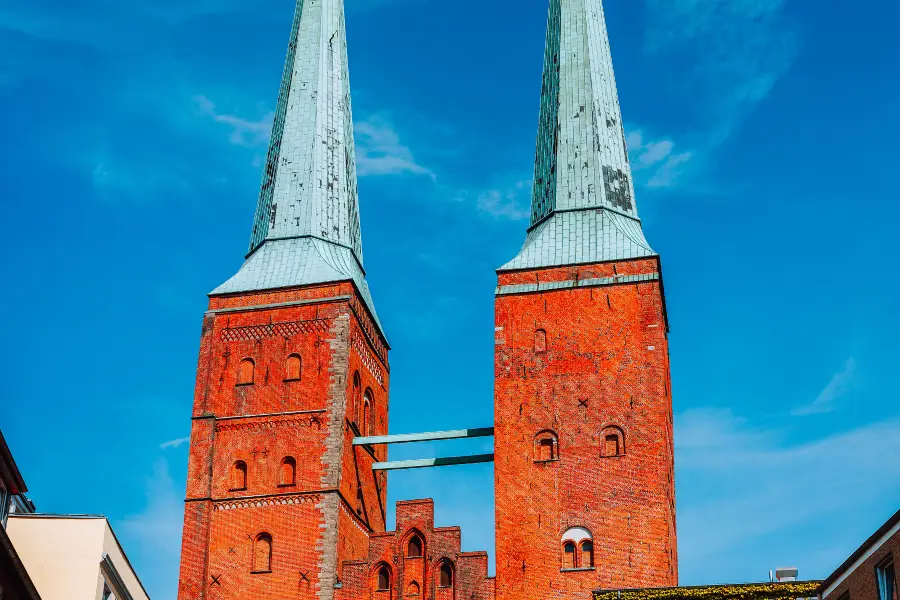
287	476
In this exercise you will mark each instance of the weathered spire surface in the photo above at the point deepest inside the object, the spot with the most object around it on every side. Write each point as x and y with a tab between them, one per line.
306	228
582	208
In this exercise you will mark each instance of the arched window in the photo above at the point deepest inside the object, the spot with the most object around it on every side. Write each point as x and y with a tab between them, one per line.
355	398
414	547
587	554
569	555
546	446
540	341
239	476
368	419
292	367
262	553
245	372
445	574
575	538
412	589
612	442
383	579
288	471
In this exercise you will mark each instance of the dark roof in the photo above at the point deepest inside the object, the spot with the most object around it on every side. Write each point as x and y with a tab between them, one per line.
9	472
861	550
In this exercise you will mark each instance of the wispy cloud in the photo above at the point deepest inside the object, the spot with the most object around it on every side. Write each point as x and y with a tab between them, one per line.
737	51
244	132
506	200
379	150
655	162
175	443
840	384
156	533
756	482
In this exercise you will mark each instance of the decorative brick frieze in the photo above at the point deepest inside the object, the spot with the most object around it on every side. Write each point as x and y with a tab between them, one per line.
309	421
360	345
259	332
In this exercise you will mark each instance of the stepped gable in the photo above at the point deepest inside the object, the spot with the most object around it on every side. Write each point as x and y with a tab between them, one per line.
417	560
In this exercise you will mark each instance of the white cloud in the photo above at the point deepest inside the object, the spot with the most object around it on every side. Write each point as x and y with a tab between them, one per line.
244	132
508	200
737	50
840	383
380	152
155	534
655	162
174	443
753	482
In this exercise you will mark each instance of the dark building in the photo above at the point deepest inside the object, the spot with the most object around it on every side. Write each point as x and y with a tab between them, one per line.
870	573
15	584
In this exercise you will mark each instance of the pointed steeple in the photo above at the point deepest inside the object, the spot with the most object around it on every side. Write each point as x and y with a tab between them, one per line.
306	228
582	208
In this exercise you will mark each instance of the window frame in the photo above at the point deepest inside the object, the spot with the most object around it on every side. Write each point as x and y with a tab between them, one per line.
263	535
287	460
421	544
238	380
287	362
881	575
239	465
445	563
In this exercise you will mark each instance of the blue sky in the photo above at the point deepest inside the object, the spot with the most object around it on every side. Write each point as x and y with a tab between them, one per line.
764	138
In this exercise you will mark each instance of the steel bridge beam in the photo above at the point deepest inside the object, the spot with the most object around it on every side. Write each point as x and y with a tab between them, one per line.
421	463
405	438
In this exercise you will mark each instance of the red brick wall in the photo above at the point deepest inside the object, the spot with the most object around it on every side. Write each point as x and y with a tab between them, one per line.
416	517
861	583
324	517
605	368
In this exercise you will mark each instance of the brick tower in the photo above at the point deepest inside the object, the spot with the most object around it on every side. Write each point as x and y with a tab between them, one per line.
293	360
585	497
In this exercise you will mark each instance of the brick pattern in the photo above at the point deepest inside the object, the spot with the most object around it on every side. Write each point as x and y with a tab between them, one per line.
604	367
861	584
325	515
419	575
259	332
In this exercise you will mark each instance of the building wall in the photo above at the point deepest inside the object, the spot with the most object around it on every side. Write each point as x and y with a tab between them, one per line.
859	581
324	516
417	577
600	367
63	555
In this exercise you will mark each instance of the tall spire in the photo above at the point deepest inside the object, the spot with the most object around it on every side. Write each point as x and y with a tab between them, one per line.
306	228
582	208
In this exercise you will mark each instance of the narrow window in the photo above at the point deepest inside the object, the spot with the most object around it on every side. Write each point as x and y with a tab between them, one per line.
414	548
612	441
292	367
245	372
547	449
412	589
540	341
384	580
577	537
612	445
887	584
288	471
446	575
368	419
239	476
587	553
569	555
355	398
546	446
262	553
